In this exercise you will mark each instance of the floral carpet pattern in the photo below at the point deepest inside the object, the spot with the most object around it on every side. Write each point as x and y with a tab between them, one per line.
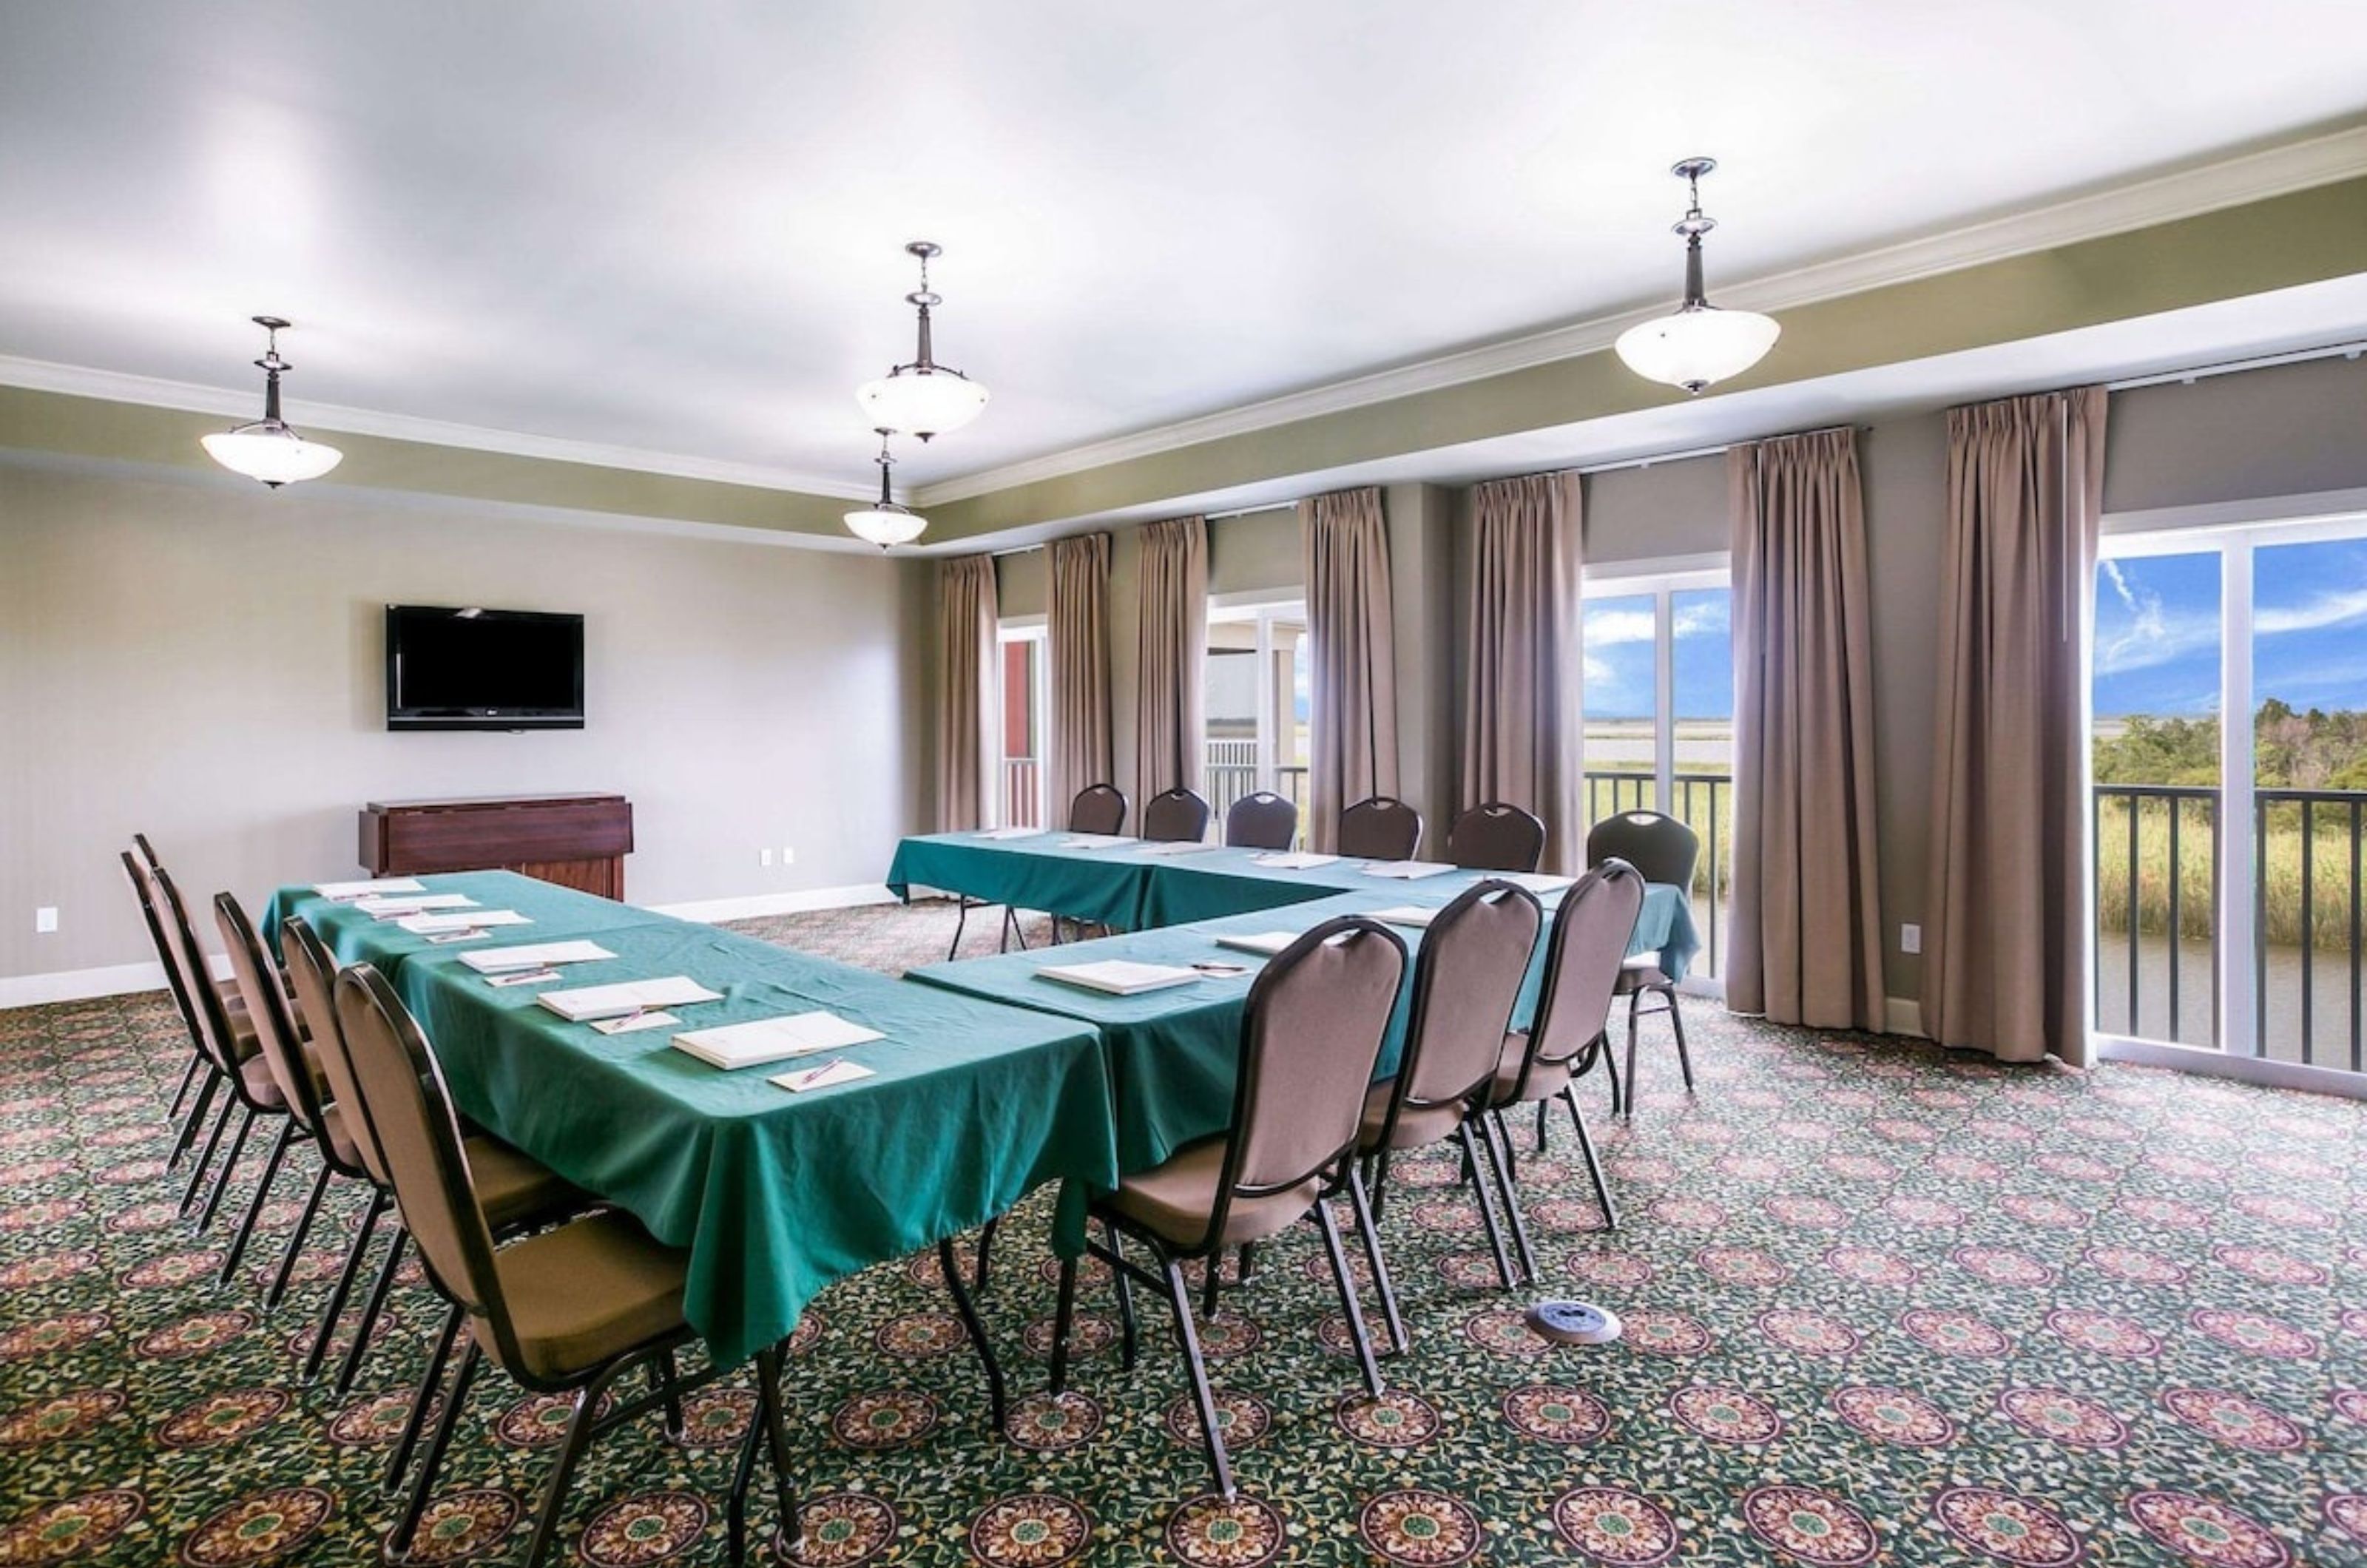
1883	1305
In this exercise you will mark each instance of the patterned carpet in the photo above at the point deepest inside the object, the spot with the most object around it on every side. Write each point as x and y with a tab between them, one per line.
1884	1305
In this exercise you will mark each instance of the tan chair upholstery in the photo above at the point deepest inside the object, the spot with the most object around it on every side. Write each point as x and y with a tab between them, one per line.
1175	1201
1380	826
1176	816
1260	821
1496	837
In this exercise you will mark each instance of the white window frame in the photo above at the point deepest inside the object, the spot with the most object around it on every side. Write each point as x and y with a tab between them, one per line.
1265	606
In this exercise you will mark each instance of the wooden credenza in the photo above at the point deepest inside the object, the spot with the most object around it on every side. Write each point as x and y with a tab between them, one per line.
575	841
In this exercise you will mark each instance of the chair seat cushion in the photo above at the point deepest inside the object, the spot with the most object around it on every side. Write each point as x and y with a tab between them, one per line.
1418	1126
1546	1080
1642	973
261	1087
1174	1201
341	1139
243	1042
583	1294
514	1187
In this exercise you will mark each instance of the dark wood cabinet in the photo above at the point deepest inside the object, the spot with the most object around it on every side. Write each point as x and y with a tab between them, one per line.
575	841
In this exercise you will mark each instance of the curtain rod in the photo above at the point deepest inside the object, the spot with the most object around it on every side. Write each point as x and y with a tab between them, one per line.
2350	350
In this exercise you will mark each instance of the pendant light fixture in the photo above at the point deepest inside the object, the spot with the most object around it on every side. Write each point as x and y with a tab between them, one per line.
1697	344
884	522
924	398
268	448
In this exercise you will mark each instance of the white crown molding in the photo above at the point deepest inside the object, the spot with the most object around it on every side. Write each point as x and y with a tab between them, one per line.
2186	193
115	387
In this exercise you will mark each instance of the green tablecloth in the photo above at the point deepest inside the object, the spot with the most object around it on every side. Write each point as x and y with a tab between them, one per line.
776	1195
1103	885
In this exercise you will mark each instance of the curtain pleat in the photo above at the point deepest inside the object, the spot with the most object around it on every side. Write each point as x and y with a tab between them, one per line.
966	740
1807	909
2005	948
1077	620
1522	726
1352	658
1171	652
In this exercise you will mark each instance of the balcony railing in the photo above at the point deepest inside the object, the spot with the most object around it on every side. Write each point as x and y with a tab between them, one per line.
1023	793
1705	802
2158	858
1233	776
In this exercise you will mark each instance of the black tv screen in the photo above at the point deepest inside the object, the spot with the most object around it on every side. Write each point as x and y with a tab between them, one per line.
471	669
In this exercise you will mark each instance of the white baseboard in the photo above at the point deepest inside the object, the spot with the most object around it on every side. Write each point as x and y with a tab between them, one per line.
2212	1064
81	984
1902	1015
709	912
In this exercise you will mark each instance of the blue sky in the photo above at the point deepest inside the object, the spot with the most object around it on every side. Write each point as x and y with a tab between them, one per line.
1619	654
2157	630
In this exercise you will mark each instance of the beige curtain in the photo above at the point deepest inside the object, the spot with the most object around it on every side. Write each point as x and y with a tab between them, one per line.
1522	726
1171	652
1807	909
2005	939
965	741
1351	656
1077	618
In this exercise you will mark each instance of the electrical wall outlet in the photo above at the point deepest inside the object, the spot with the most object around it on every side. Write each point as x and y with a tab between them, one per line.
788	855
1910	939
45	919
764	855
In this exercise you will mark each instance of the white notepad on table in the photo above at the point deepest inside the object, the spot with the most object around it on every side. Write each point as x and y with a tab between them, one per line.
1095	840
1295	860
828	1074
345	892
534	956
387	906
1179	847
1407	870
1119	976
1538	882
1407	915
582	1004
1267	943
773	1039
475	920
1014	834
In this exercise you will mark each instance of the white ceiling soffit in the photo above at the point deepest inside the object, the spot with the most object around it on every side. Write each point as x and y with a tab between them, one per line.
2254	177
2308	317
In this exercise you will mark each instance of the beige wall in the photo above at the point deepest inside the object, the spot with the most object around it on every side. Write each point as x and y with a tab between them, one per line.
203	662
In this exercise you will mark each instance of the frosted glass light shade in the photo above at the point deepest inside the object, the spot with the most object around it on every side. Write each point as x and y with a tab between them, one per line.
922	401
1697	346
271	452
886	524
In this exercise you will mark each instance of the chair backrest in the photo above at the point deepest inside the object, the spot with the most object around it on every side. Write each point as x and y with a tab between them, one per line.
1311	1035
1467	981
276	1031
147	851
313	973
1176	816
1380	827
1098	809
142	889
1591	932
183	953
1659	845
1260	821
1496	837
402	1089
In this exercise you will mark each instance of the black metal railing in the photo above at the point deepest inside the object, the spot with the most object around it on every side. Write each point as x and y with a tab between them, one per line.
1705	802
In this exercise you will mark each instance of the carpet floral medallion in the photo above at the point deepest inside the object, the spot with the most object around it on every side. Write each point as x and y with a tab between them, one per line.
1883	1305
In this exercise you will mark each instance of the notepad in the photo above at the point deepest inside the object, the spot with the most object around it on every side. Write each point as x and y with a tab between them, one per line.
346	892
1407	870
823	1077
774	1039
582	1004
1535	881
1295	860
634	1022
534	955
1118	977
1095	840
1267	943
1013	833
1407	915
1179	847
477	920
387	906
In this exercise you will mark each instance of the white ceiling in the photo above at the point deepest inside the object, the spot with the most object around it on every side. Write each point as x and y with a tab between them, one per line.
677	228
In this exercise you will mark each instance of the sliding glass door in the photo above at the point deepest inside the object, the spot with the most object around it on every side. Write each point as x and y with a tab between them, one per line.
1019	710
1255	694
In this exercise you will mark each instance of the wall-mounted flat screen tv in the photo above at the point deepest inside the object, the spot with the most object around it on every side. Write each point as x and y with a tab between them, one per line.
474	669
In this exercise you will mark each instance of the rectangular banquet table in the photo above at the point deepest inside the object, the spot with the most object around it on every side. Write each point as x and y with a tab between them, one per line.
776	1195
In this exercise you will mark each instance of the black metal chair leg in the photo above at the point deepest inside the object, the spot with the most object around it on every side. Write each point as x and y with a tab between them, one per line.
1541	1126
272	1297
188	1077
1486	1208
1634	997
193	1120
950	1268
961	923
986	1251
398	1540
1348	1303
1129	1338
197	1171
563	1469
430	1377
765	1427
1611	1072
1496	1140
371	1309
1677	1022
1179	1301
254	1204
1212	1282
222	1176
1379	1184
663	1377
743	1471
1371	1235
1594	1168
334	1307
1064	1310
1018	932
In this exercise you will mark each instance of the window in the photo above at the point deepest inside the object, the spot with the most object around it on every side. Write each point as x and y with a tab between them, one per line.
1255	696
1020	707
1659	690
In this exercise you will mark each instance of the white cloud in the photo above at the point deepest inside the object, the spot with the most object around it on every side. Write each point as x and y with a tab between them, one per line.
1605	627
2326	610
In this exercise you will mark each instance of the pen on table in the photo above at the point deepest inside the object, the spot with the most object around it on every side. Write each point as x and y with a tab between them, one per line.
808	1079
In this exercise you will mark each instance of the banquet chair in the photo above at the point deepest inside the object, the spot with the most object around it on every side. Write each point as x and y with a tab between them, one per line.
1466	982
567	1311
1311	1033
1665	850
1583	954
1098	809
1176	816
1496	837
1260	821
200	1073
1380	826
518	1194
